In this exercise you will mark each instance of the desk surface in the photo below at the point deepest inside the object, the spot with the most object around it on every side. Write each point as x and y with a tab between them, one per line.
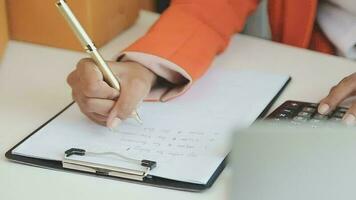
33	89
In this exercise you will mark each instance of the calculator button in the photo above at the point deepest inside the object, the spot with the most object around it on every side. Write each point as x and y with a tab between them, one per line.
279	118
282	115
287	111
313	105
304	114
315	121
300	119
292	105
295	122
338	114
320	117
309	109
342	109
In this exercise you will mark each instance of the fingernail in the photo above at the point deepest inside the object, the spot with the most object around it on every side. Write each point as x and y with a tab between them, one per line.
324	109
116	93
349	119
114	123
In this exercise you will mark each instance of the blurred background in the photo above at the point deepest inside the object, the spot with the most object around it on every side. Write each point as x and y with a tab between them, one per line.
38	21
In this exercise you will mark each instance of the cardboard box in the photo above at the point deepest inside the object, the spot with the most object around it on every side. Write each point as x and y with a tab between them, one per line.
3	28
39	21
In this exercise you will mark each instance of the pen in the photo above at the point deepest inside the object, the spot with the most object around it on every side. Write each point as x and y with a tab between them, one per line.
90	48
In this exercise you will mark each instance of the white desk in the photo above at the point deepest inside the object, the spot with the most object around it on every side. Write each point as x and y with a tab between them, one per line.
33	89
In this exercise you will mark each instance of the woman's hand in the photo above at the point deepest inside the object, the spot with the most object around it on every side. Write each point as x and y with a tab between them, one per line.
103	104
346	88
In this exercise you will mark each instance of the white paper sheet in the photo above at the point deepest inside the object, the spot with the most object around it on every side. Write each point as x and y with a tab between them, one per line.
188	136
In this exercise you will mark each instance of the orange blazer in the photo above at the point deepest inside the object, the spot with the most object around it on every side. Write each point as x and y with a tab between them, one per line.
190	33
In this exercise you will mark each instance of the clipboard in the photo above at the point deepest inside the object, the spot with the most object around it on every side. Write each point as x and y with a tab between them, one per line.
146	180
151	181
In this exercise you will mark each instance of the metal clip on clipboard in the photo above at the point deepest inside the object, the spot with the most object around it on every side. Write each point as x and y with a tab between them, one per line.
107	170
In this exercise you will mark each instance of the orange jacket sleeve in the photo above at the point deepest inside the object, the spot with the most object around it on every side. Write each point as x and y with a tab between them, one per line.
190	33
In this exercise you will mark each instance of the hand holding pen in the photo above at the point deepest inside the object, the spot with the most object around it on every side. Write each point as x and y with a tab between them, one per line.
96	85
102	103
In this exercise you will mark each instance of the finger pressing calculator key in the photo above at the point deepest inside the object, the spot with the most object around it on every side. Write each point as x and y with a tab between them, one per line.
303	112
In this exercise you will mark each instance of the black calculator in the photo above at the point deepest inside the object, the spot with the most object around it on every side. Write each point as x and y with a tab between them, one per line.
298	112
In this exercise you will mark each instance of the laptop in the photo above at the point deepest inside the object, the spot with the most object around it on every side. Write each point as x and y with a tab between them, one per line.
284	162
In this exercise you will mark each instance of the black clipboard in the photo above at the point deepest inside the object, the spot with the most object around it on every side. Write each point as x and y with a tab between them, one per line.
151	181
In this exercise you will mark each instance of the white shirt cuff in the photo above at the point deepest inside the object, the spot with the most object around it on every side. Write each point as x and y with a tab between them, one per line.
164	69
339	26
